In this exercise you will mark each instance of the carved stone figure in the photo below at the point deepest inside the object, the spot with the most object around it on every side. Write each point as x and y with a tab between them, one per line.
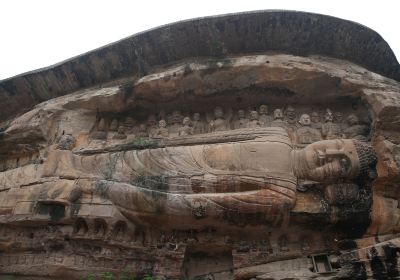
338	118
162	131
278	119
101	126
94	184
114	125
262	174
242	121
101	130
219	123
143	131
197	124
290	117
330	130
316	121
175	121
306	134
187	128
356	130
129	124
254	122
120	133
264	118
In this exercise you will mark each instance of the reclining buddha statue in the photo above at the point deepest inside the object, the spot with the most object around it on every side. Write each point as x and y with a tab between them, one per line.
250	172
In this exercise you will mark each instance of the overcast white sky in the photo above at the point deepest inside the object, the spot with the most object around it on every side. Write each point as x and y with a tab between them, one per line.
39	33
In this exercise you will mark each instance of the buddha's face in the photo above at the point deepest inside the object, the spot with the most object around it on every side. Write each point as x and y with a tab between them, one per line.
305	120
263	110
218	113
315	117
329	160
162	124
278	114
253	115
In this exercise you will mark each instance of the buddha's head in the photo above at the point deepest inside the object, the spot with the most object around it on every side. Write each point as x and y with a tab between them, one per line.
334	160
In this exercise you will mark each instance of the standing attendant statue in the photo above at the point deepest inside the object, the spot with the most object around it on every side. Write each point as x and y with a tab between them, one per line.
218	123
306	134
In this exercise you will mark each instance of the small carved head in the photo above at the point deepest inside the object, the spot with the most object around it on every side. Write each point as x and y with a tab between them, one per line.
263	109
121	129
241	114
142	127
186	121
328	116
162	124
278	114
253	115
315	117
196	116
305	120
338	117
352	119
290	112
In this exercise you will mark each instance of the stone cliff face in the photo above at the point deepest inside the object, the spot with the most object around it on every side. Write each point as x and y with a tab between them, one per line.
244	150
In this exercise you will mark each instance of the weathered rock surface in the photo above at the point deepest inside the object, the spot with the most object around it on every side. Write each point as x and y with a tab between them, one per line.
207	159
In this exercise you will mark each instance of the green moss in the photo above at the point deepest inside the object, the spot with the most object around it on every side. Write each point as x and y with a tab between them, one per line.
143	143
101	188
151	182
